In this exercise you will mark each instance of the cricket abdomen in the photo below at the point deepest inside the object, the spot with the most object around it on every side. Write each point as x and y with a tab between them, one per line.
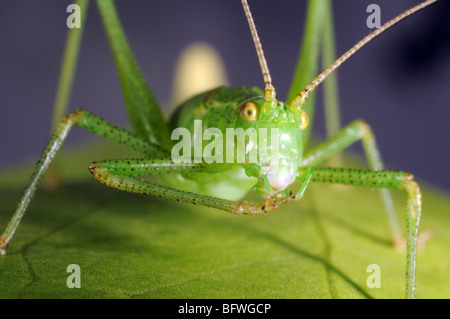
232	184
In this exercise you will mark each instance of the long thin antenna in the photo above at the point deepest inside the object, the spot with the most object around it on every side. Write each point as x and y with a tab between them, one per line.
301	97
270	92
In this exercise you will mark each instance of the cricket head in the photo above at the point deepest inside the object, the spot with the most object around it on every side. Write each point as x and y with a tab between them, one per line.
273	135
281	156
283	152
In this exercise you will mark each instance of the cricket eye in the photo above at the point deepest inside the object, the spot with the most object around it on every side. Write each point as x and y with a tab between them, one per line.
249	111
304	120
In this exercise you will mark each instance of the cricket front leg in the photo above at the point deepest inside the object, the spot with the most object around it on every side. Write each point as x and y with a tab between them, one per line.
355	131
123	174
384	179
91	123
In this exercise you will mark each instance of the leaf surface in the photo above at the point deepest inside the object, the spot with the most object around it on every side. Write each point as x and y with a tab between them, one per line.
133	246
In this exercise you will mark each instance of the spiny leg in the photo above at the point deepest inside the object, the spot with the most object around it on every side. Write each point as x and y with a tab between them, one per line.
359	130
384	179
122	174
87	121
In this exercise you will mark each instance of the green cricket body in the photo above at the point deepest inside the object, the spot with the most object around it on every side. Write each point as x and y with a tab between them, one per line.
220	108
223	185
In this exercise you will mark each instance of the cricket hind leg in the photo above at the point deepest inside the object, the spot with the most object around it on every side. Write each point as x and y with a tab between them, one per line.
384	179
355	131
91	123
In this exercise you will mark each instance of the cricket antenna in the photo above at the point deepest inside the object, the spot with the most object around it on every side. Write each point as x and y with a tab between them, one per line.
270	93
301	97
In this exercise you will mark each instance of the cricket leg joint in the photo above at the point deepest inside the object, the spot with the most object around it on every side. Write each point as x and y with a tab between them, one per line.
365	128
413	190
270	205
100	175
73	117
250	209
93	168
3	245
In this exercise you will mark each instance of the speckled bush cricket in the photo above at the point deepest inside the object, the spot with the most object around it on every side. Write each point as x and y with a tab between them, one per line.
249	108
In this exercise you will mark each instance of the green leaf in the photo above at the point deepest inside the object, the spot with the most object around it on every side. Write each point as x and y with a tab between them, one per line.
132	246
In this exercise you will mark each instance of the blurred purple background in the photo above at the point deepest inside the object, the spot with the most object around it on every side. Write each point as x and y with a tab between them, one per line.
400	83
